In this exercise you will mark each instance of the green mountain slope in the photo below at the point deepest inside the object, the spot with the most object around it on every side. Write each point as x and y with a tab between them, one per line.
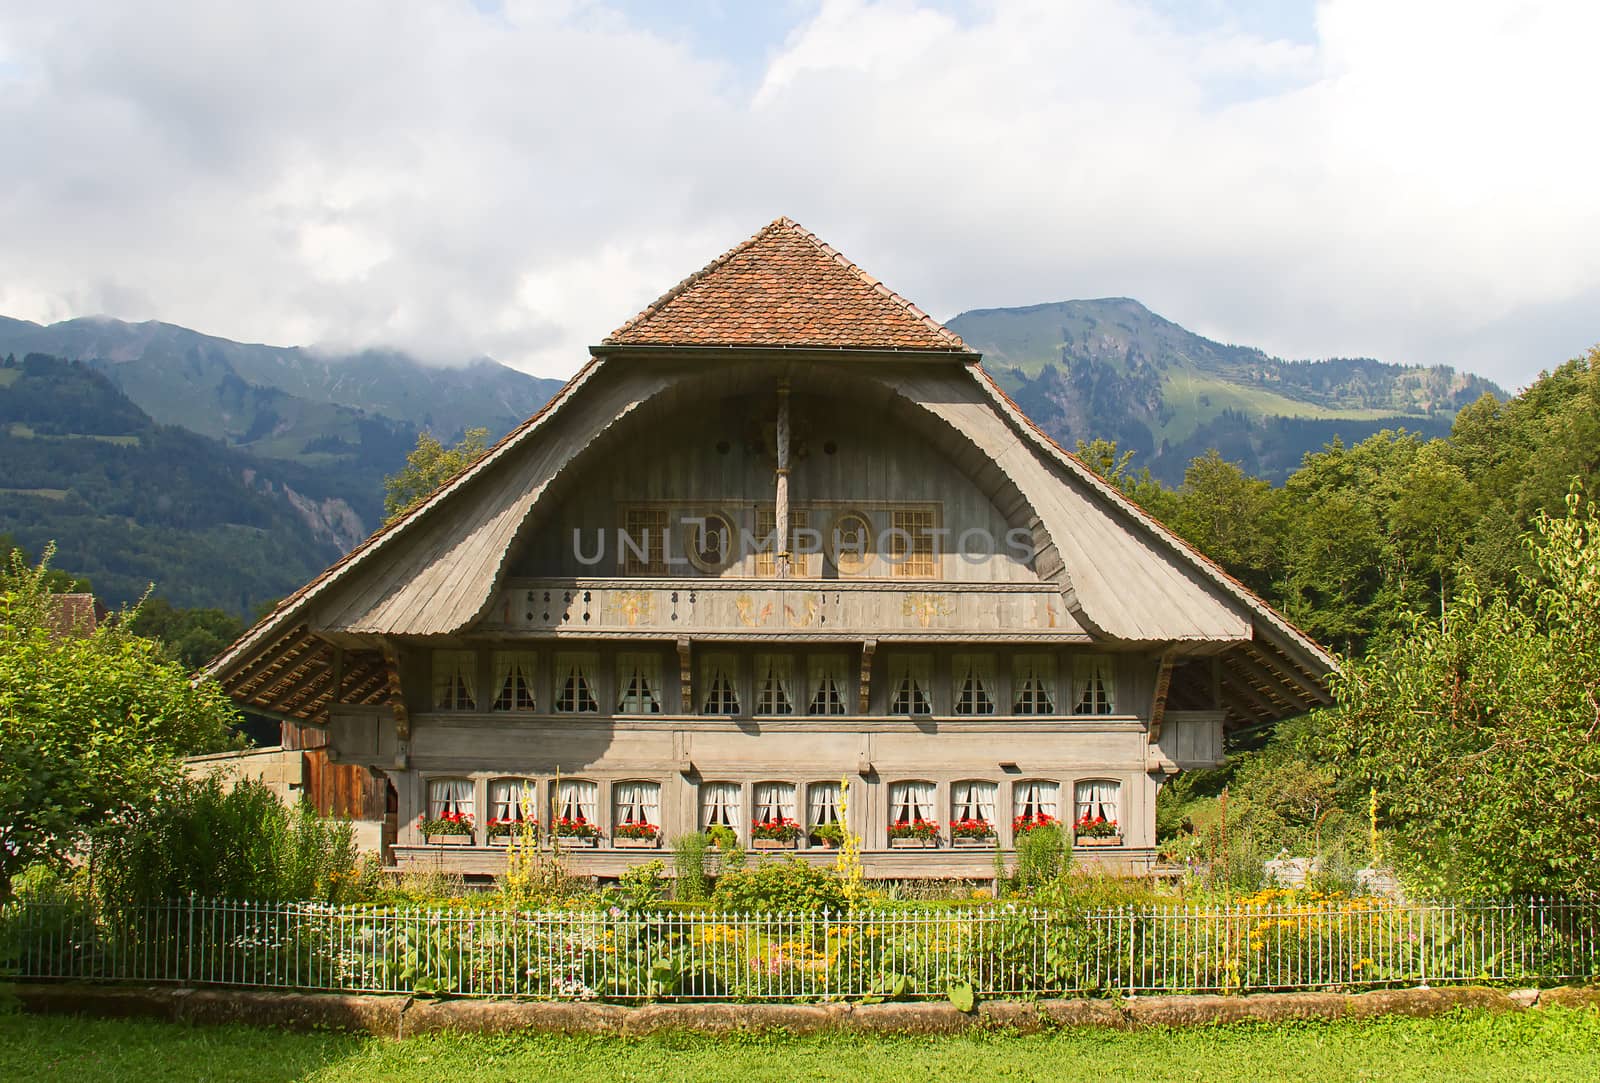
1112	368
130	502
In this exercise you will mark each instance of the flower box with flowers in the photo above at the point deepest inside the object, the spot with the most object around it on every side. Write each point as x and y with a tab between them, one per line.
502	832
637	836
447	829
779	834
1023	824
576	832
1096	831
913	835
971	833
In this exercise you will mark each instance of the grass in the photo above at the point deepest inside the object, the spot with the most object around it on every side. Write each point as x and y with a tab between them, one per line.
1537	1045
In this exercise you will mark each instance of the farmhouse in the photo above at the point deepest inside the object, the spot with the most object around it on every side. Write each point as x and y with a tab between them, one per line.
781	552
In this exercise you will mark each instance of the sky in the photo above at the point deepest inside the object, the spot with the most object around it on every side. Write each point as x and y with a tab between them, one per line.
1408	181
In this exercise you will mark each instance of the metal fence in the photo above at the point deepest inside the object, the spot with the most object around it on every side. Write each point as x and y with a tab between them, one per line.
615	955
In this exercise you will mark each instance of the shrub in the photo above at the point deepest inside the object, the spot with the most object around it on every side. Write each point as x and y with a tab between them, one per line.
691	884
1042	856
644	886
792	886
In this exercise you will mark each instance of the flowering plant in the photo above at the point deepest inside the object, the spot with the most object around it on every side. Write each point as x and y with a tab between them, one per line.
637	830
970	828
782	829
510	826
1097	827
914	829
828	832
446	823
576	827
1026	823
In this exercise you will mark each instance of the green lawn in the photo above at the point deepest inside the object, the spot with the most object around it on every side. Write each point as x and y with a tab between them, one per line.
1540	1045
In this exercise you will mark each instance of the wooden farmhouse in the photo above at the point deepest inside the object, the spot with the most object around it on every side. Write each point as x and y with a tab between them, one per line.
782	551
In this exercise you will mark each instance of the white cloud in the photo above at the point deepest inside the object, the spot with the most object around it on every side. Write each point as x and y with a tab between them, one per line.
1412	184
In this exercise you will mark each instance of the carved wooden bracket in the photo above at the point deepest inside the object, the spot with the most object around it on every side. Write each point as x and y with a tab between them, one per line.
1158	705
868	647
685	677
397	707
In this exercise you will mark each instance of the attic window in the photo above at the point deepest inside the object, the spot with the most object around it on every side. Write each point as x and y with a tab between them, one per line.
644	542
575	684
851	543
767	544
455	680
708	540
912	553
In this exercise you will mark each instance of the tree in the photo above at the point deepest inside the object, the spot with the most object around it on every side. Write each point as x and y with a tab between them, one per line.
190	636
429	465
1229	516
91	727
1477	732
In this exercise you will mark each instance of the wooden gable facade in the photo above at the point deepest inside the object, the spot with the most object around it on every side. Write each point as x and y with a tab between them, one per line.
782	533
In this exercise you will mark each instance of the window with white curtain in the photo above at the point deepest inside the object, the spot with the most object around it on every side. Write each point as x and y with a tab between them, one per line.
638	683
973	680
1033	684
1035	799
449	796
774	684
455	680
1094	685
574	683
636	803
512	799
822	804
1096	799
973	799
721	682
826	684
719	804
911	800
909	682
578	799
773	801
513	681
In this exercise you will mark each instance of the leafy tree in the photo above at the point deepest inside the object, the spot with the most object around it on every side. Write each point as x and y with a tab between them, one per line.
429	466
1230	516
91	727
190	636
1477	732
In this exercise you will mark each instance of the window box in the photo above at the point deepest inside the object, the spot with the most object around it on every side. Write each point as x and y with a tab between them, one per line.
577	842
637	843
912	842
449	840
972	842
1098	840
773	844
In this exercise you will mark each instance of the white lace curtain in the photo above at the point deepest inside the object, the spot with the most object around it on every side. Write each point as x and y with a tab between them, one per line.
909	686
513	681
825	679
1094	687
973	678
637	802
719	804
973	801
574	683
454	680
1033	685
639	684
774	684
720	679
822	799
1035	799
911	801
1096	799
773	801
577	800
511	799
449	795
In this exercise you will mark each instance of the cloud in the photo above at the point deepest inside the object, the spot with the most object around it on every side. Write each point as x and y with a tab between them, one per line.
1408	181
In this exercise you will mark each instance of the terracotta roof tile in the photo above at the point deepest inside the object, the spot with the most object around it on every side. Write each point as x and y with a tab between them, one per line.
784	287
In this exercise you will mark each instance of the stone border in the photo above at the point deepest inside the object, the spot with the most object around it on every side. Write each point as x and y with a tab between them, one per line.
404	1016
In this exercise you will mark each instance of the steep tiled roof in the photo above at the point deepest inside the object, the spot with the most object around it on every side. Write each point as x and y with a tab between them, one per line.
784	287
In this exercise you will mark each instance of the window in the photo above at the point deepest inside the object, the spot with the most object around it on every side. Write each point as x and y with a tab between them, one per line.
911	543
708	541
511	800
974	683
455	679
774	684
850	544
639	679
774	802
1094	685
636	803
644	541
575	684
800	564
825	680
822	799
1037	801
1096	799
973	799
719	804
721	685
513	681
908	686
1033	684
910	801
578	800
449	797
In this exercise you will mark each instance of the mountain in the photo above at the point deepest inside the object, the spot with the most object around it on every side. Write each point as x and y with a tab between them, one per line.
352	414
1112	368
130	502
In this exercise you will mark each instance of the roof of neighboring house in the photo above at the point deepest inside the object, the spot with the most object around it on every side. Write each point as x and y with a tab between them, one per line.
784	287
75	614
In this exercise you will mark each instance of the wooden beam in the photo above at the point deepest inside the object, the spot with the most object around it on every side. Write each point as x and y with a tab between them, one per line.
1241	687
1289	671
397	707
1158	704
685	677
1239	708
868	648
1275	684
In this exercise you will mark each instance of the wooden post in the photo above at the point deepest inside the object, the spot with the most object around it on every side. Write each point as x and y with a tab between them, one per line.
781	511
685	677
397	706
868	647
